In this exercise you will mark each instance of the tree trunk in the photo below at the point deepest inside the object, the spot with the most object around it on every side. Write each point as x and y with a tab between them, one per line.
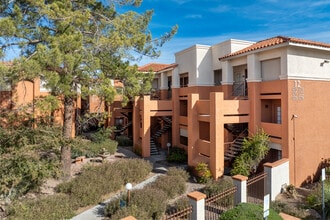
67	133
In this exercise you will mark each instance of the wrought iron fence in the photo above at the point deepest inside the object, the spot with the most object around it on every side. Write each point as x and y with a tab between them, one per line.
182	214
217	204
256	188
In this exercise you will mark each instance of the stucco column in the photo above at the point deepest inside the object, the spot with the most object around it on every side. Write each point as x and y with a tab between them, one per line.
227	73
175	117
197	201
136	122
146	127
255	106
254	68
241	193
193	126
216	134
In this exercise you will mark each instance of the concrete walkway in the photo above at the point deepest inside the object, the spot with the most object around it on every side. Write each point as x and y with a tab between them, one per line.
96	213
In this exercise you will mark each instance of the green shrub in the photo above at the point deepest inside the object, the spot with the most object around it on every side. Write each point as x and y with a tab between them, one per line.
124	141
170	185
245	211
203	172
314	199
133	170
51	207
177	155
96	181
28	156
87	148
112	207
150	200
173	171
215	187
179	204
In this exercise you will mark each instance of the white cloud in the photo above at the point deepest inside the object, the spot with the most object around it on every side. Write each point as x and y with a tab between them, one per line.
194	16
220	9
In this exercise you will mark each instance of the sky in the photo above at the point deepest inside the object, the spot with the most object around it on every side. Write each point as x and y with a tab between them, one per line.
209	22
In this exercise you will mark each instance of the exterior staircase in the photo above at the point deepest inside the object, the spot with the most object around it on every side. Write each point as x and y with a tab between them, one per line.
159	132
119	131
234	149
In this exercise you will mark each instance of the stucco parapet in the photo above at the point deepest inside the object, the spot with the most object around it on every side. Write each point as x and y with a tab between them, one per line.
128	218
240	178
276	163
196	195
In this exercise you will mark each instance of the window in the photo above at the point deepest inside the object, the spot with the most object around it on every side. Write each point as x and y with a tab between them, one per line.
183	108
184	140
184	80
278	115
271	69
217	77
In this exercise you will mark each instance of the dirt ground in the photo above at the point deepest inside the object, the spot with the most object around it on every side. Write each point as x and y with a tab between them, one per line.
295	201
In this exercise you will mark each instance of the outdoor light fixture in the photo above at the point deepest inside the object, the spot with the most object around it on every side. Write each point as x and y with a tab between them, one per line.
325	61
294	116
129	187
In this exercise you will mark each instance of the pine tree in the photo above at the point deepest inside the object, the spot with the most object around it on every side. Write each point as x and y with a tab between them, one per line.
77	46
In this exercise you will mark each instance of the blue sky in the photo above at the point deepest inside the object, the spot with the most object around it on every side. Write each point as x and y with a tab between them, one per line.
211	21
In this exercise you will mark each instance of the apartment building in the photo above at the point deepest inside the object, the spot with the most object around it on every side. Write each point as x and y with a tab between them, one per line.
214	96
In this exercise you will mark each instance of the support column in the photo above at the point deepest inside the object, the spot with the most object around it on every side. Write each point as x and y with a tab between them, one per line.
216	134
146	127
193	126
241	193
136	122
197	201
175	117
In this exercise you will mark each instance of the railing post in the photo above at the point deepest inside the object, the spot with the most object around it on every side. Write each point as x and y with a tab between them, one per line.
241	193
197	201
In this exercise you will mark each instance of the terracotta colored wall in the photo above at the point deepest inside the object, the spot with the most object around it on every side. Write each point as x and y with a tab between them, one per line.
308	133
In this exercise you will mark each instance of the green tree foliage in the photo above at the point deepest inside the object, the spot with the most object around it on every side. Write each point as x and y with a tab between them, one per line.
255	148
78	46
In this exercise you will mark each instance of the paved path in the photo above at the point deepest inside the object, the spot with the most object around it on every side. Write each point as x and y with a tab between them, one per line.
96	213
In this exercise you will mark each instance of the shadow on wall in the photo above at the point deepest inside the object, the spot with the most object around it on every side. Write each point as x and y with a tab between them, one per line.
317	174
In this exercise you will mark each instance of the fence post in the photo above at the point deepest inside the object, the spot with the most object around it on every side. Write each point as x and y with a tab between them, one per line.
197	201
241	193
277	176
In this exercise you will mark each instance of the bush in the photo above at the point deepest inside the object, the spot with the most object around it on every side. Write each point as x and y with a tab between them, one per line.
132	210
150	200
96	181
28	156
170	185
314	200
124	141
112	207
248	211
177	155
51	207
203	172
173	171
87	148
215	187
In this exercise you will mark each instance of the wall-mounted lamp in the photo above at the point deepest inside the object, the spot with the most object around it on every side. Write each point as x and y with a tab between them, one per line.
294	116
325	61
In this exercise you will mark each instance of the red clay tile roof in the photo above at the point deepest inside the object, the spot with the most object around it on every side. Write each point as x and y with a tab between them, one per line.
156	67
275	41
